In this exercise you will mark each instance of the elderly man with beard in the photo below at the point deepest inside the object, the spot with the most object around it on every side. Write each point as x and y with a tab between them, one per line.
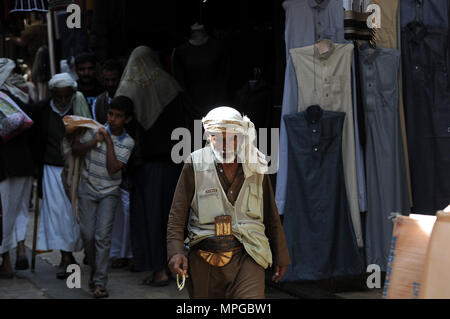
225	199
58	229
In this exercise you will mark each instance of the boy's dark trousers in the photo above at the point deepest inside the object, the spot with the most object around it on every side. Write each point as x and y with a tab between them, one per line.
96	213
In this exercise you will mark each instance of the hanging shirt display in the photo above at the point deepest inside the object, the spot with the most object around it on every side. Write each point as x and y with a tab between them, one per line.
204	72
306	22
326	81
387	188
387	37
427	108
317	221
255	101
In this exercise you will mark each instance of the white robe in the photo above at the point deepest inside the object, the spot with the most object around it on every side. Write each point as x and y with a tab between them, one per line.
57	229
15	193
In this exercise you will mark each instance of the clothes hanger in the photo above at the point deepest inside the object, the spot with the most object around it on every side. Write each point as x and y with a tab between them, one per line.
314	113
199	35
256	77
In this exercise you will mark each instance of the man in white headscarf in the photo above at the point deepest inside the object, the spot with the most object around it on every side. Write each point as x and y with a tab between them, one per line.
58	229
226	201
16	175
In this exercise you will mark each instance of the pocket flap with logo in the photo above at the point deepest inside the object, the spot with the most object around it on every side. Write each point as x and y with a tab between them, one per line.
209	205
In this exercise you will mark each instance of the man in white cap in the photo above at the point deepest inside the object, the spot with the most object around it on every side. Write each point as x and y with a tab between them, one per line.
58	229
226	201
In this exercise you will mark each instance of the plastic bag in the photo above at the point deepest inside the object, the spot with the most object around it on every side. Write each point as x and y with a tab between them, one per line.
13	120
73	123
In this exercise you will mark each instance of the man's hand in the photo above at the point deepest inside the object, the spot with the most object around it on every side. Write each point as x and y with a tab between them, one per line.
280	271
175	262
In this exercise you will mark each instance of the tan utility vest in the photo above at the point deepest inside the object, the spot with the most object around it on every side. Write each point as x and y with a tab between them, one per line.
210	201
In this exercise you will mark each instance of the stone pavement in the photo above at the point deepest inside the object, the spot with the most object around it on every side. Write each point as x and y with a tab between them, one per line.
123	284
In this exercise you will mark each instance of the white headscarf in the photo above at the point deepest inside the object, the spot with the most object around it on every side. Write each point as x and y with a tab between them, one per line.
62	80
228	120
149	87
12	82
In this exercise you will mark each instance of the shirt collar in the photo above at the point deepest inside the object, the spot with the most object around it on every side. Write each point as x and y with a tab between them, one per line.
121	137
314	4
58	111
314	114
370	54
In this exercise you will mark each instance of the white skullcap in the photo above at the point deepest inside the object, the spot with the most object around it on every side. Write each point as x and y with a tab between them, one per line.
62	80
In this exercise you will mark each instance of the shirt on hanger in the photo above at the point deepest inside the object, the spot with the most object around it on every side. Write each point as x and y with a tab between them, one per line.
306	22
387	184
387	37
427	106
325	74
317	220
204	72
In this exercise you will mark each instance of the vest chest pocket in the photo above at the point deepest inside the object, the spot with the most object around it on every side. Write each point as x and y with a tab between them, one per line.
209	205
254	203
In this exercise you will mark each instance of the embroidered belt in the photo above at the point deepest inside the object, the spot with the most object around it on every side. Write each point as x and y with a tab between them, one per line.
218	250
217	259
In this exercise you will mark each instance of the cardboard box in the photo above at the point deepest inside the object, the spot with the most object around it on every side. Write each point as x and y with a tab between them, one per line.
407	256
436	274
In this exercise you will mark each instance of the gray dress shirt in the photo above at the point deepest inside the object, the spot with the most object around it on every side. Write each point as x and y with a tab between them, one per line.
387	185
387	37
